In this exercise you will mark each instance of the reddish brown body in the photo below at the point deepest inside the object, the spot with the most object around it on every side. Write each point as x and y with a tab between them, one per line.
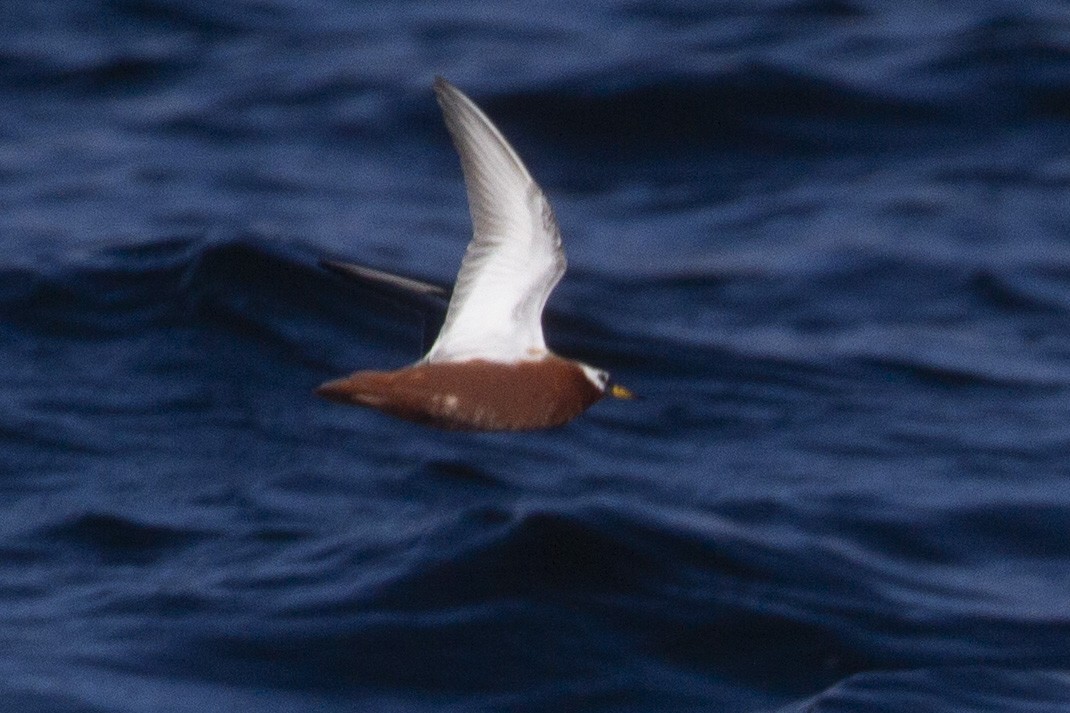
473	395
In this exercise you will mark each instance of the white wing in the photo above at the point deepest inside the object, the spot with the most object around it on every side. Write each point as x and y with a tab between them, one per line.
515	257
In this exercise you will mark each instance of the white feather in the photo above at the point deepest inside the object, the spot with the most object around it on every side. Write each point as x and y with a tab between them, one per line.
515	257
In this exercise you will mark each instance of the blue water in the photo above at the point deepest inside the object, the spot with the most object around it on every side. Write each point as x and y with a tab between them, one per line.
828	241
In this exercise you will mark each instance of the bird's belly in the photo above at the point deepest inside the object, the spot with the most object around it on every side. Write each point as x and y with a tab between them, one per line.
475	395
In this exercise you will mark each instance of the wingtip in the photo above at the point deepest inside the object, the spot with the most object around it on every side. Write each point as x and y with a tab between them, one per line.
338	268
449	95
441	85
370	276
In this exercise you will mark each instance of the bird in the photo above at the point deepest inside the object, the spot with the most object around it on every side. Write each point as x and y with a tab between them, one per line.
489	368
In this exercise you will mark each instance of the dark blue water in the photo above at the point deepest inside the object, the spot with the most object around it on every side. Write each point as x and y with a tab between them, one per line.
829	241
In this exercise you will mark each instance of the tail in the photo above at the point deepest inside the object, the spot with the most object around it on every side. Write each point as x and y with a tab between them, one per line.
357	389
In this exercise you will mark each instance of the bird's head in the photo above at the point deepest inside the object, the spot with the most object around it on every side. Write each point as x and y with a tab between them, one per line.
600	378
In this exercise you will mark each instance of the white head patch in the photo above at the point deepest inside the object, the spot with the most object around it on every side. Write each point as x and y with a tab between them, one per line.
596	376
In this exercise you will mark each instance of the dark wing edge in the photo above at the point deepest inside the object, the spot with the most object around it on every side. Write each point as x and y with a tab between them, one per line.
425	299
373	278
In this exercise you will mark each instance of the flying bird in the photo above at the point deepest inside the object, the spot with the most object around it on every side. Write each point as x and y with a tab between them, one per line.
489	369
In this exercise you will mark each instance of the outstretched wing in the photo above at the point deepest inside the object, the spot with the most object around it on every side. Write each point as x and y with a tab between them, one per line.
514	259
385	280
426	300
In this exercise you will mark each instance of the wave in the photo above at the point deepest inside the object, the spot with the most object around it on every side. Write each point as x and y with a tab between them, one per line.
707	600
117	539
807	326
747	79
753	105
950	688
822	239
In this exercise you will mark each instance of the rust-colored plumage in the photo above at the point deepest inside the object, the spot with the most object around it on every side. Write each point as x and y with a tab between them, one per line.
474	395
489	368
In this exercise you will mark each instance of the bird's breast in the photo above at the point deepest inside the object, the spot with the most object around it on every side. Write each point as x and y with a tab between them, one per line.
474	394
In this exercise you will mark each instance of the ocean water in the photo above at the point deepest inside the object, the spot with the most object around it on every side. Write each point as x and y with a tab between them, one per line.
827	240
